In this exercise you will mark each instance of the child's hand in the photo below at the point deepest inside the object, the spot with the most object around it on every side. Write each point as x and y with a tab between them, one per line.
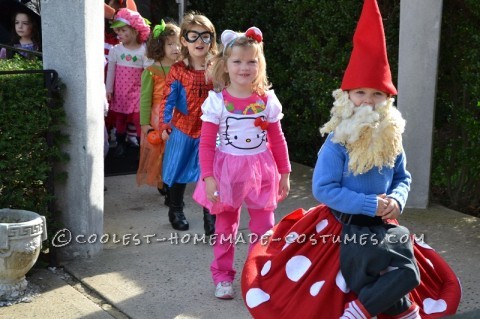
392	211
382	204
109	97
211	189
165	135
283	187
146	128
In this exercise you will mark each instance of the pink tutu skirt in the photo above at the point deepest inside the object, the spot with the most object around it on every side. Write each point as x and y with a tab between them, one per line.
252	179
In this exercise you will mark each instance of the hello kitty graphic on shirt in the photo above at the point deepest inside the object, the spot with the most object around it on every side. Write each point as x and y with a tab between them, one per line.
242	122
241	133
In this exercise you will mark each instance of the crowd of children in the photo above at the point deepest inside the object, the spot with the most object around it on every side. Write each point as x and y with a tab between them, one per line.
207	115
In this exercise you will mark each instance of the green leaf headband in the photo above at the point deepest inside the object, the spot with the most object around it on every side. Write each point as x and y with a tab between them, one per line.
158	29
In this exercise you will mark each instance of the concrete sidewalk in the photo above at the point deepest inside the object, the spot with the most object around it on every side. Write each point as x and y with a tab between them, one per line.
151	271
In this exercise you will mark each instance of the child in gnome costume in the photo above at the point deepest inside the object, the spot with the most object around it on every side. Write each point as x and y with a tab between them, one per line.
349	257
361	175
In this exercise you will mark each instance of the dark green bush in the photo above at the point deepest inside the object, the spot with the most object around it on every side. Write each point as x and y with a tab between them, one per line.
27	118
455	167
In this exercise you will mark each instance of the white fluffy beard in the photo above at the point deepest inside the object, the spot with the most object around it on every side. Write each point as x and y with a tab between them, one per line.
372	136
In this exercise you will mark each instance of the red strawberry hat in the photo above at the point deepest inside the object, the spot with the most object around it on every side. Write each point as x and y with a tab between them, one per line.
368	66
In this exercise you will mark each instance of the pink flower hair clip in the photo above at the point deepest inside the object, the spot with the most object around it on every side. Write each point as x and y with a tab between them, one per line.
228	36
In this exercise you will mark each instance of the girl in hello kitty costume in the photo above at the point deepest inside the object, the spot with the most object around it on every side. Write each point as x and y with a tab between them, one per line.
244	168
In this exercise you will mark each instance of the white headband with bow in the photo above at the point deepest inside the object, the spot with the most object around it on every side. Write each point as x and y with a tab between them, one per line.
228	36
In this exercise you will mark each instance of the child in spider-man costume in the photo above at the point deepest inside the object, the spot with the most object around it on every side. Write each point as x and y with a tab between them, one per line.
185	90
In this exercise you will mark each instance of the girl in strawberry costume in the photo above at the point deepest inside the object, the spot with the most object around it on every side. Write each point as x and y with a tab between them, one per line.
126	62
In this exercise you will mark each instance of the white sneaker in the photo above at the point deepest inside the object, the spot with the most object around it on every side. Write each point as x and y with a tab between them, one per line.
132	140
113	136
224	290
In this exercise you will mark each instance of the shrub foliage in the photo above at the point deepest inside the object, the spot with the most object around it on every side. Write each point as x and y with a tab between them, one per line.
456	168
27	121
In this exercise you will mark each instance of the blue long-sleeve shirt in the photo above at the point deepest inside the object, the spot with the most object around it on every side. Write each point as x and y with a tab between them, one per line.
339	189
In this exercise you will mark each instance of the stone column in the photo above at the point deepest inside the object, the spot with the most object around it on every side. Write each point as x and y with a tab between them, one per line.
73	46
420	24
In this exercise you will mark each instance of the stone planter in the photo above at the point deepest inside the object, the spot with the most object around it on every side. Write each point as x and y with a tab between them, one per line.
21	236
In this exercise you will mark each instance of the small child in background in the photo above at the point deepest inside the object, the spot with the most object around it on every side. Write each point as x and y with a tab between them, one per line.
126	62
163	46
243	168
27	35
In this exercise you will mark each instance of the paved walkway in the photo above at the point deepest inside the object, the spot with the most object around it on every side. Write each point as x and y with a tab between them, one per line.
162	274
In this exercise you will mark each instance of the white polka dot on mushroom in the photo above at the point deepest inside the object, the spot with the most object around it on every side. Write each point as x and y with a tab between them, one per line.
296	267
434	306
321	226
290	238
341	283
315	288
255	297
266	268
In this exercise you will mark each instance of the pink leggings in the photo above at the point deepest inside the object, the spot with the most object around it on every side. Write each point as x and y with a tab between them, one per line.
226	228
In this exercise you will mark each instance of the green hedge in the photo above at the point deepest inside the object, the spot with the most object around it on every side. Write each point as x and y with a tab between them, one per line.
455	166
307	46
26	160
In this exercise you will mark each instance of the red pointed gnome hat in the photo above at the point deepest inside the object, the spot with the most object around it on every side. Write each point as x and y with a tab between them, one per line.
368	66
